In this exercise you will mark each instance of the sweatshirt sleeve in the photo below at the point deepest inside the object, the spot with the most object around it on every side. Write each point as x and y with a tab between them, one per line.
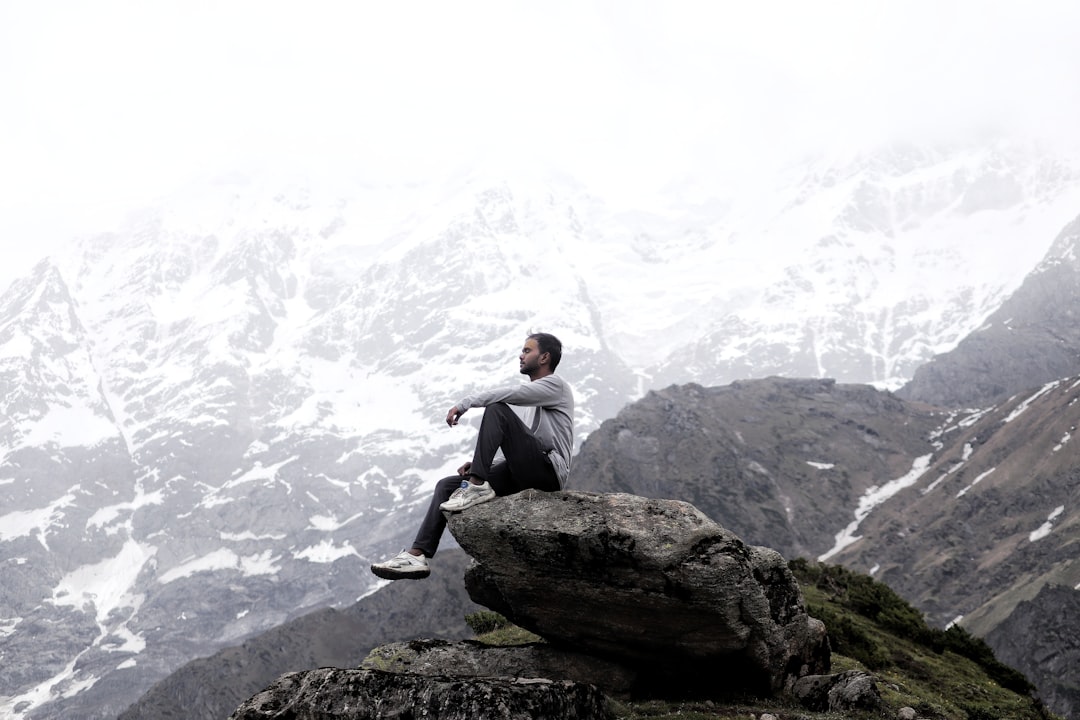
544	392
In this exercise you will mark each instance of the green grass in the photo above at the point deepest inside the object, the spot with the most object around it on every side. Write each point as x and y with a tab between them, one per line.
493	629
942	674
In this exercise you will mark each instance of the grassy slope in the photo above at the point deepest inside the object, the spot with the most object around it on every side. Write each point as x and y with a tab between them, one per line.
943	675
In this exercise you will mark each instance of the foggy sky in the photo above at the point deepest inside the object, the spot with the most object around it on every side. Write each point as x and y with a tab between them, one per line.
107	104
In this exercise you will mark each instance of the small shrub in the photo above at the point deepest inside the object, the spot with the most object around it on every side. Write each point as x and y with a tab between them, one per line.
961	642
847	638
978	713
878	602
485	621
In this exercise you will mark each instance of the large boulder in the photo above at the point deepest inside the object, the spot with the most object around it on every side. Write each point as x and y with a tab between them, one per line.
653	584
336	694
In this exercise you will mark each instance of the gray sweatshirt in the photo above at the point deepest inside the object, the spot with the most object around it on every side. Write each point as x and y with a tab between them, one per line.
553	421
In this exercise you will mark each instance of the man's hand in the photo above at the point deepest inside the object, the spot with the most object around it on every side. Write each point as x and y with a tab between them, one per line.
464	469
453	415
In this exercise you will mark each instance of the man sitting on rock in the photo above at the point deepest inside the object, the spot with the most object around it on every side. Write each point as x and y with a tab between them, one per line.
535	453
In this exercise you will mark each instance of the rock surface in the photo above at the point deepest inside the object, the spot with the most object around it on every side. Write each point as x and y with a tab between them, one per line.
470	658
851	690
335	694
654	584
1045	629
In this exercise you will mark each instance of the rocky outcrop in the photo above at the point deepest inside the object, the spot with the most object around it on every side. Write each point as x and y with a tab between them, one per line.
846	691
653	584
632	597
474	659
334	694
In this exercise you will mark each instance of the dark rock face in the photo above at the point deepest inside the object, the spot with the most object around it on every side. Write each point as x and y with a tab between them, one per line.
333	694
1044	629
654	584
771	460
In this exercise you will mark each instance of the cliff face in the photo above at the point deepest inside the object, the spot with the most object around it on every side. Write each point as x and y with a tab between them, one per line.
1045	629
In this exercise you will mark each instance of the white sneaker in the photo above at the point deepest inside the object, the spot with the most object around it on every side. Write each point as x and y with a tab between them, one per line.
404	565
468	495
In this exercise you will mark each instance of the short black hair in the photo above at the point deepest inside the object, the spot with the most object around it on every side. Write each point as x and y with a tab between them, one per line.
548	343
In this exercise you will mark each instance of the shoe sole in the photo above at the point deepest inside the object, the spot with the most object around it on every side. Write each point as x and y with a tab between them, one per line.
478	501
392	574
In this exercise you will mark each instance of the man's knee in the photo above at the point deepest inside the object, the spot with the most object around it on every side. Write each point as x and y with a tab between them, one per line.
499	409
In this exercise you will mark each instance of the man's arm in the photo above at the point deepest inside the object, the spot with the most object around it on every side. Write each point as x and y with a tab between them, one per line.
539	393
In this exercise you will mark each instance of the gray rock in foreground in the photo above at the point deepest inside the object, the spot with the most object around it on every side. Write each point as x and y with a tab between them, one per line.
470	658
334	694
654	584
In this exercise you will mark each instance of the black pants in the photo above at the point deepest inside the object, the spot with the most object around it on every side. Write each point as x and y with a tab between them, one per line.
526	466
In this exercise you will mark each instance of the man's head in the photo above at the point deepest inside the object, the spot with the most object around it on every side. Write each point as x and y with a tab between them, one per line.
541	349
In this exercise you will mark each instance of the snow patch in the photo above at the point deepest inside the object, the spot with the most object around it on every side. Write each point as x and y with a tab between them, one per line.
23	523
71	426
1019	409
326	552
874	497
262	564
61	685
7	626
248	535
820	465
259	472
934	484
132	643
109	513
105	586
18	347
1047	526
342	398
975	482
329	523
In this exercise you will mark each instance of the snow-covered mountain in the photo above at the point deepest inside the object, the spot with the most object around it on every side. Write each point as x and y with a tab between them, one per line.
217	415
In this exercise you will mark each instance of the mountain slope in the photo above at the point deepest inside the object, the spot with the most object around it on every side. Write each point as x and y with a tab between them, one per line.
991	521
218	414
967	515
868	267
1033	338
771	460
276	426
